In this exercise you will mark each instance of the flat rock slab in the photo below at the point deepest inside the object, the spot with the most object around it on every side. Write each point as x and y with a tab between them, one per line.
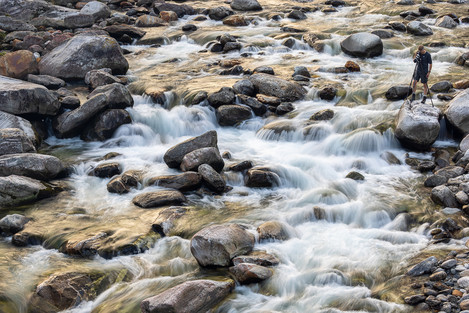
14	140
277	87
184	182
20	97
156	199
33	165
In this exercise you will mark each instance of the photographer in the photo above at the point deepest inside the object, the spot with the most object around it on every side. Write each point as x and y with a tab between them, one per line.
424	67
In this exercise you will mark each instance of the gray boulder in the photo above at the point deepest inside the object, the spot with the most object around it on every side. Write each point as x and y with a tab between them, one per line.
244	87
14	140
261	177
246	273
17	190
101	77
105	124
9	24
425	267
118	95
107	170
398	92
446	22
245	5
191	296
20	97
183	182
224	96
161	198
71	123
96	9
12	121
24	9
417	125
173	157
217	245
362	45
219	13
13	223
213	180
81	54
419	29
457	112
179	9
450	171
443	86
444	196
256	106
230	115
47	81
209	155
464	144
277	87
257	257
38	166
78	20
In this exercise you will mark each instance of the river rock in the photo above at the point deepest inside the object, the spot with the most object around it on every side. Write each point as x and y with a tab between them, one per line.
463	145
230	115
244	87
443	86
71	123
225	96
219	13
107	170
86	247
45	80
417	125
245	5
261	177
463	282
450	171
208	155
173	157
435	180
14	140
13	223
235	20
322	115
77	20
166	220
160	198
38	166
183	182
96	9
9	24
327	93
264	70
105	124
415	299
457	112
284	108
256	106
246	273
362	45
81	54
191	296
122	184
419	29
444	196
180	9
170	16
383	34
97	78
398	92
461	84
20	97
424	267
119	32
11	121
118	95
274	230
277	87
355	176
17	190
257	257
217	245
150	21
18	64
446	22
213	180
241	166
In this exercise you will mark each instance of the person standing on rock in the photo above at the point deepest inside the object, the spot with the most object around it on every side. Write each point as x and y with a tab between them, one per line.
423	61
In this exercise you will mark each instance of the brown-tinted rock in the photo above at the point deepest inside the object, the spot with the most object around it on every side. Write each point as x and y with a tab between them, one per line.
213	180
323	115
275	230
230	115
183	182
150	21
235	20
14	140
166	219
257	257
107	170
461	84
209	155
246	273
18	64
168	16
261	177
352	66
156	199
277	87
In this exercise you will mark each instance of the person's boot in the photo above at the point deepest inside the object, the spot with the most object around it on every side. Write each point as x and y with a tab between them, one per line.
413	97
424	99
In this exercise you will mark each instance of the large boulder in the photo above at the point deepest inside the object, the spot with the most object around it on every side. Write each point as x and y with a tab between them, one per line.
96	9
17	190
12	121
173	157
457	112
183	182
277	87
71	123
38	166
18	64
118	95
9	24
209	155
105	124
443	86
217	245
446	22
213	180
245	5
154	199
20	97
13	223
362	45
81	54
230	115
191	296
417	125
246	273
14	140
419	29
398	92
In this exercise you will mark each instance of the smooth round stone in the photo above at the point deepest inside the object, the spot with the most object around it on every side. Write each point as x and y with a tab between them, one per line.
450	211
449	264
463	282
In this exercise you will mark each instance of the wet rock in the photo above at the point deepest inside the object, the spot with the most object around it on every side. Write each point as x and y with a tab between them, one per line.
435	180
462	197
362	45
462	59
257	257
86	247
414	300
450	171
406	2
463	282
166	220
443	86
151	21
217	245
449	264
105	124
117	94
261	177
219	13
70	103
383	34
270	101
9	24
438	276
33	165
189	28
245	5
225	96
17	190
352	66
161	198
235	20
398	26
241	166
230	46
301	70
297	15
76	20
107	170
417	125
123	183
191	296
71	123
45	80
256	106
419	29
11	121
19	97
18	64
424	267
390	158
327	93
118	31
274	230
81	54
13	223
170	16
461	84
457	112
246	273
446	22
277	87
96	9
398	92
423	10
183	182
284	108
173	157
323	115
213	180
244	87
464	144
14	140
101	77
264	70
179	9
230	115
444	196
209	155
355	176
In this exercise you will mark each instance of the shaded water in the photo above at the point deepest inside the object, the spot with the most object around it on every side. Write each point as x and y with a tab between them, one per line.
335	262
